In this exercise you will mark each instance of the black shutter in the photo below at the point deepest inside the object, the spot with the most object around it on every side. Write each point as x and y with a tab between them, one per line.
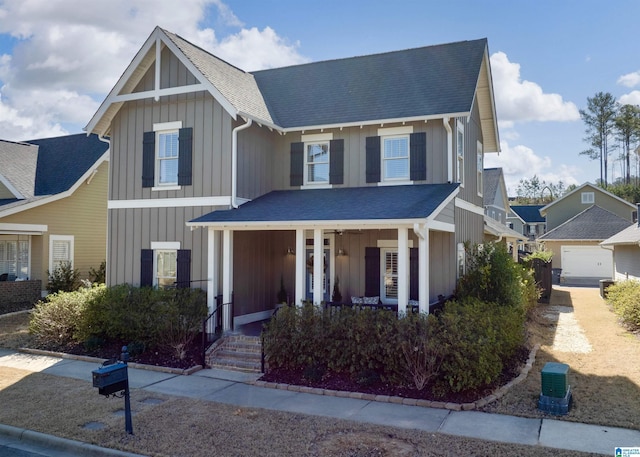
336	164
414	284
146	268
183	275
373	158
148	158
418	155
371	271
185	152
297	164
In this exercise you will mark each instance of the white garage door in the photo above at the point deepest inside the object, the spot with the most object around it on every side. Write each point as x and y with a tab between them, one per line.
586	261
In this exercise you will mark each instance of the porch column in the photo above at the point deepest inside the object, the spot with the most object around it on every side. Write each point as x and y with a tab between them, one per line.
227	277
213	255
318	266
403	269
423	270
300	267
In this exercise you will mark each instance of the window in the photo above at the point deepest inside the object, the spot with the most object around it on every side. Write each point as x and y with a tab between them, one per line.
389	275
480	168
395	157
460	152
60	250
588	198
165	268
14	258
167	158
461	260
317	162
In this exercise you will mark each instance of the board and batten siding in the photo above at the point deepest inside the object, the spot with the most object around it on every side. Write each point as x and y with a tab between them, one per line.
83	214
134	229
627	262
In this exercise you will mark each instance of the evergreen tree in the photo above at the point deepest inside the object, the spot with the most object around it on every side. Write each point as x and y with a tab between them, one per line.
599	118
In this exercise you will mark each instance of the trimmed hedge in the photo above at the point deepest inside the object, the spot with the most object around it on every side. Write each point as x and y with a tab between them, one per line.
624	298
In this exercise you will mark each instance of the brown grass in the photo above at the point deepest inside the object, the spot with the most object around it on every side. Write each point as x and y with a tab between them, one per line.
605	382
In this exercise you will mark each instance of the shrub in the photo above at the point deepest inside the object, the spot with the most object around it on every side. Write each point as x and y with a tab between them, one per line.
421	348
63	278
180	318
624	298
98	276
541	254
57	319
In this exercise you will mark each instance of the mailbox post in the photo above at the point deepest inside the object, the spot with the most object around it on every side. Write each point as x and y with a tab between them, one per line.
112	378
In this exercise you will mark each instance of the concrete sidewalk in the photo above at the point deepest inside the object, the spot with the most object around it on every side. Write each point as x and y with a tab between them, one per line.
237	389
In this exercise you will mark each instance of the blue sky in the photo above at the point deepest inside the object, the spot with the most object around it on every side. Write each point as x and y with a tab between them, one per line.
59	58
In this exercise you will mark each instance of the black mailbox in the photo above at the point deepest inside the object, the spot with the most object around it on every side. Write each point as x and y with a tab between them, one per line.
110	379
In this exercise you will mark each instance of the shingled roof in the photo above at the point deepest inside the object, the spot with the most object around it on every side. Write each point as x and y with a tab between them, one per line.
337	204
594	223
528	213
45	167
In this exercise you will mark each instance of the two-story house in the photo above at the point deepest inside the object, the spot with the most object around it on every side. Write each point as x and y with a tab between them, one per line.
496	209
367	170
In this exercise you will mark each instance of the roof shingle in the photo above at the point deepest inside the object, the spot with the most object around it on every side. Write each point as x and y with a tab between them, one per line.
594	223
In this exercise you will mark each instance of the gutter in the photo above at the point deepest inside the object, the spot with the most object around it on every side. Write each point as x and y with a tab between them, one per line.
234	161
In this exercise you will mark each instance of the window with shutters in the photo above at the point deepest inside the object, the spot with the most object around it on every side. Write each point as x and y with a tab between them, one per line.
317	162
60	251
395	158
167	153
389	275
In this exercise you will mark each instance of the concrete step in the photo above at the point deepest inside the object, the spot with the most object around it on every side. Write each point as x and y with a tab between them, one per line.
237	364
237	352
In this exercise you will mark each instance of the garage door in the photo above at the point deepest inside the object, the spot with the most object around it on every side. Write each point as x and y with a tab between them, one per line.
586	262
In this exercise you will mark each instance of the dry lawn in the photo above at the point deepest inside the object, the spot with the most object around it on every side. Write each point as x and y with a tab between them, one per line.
605	382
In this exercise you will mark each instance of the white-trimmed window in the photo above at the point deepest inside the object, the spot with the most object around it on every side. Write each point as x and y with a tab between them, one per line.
588	198
389	275
14	259
395	158
460	152
317	162
165	263
60	251
461	260
167	153
480	166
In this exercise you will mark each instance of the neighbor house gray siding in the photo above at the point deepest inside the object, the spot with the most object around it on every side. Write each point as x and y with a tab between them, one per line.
627	265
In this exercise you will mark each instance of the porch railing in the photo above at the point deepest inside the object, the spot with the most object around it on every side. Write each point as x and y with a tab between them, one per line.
213	325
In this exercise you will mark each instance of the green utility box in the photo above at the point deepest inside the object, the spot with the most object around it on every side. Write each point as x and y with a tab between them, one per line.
555	379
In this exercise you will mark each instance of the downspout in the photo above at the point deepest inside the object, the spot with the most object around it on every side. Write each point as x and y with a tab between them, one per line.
234	161
107	243
447	127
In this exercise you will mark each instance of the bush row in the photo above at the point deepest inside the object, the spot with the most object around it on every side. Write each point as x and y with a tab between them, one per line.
144	317
624	298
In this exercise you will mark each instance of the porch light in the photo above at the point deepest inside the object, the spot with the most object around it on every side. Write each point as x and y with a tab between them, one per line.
342	252
290	251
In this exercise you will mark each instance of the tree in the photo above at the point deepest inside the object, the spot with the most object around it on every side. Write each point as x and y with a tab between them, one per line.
532	191
599	119
627	124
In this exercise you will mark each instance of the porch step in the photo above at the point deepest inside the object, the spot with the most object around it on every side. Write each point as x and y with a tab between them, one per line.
237	352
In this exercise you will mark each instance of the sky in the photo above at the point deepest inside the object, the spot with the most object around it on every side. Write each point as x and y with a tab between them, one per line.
60	58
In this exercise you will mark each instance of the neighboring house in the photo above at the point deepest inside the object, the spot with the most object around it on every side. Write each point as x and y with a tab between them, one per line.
576	225
365	169
527	220
626	252
496	208
53	200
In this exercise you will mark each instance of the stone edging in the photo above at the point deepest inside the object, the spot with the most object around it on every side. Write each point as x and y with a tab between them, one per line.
83	358
499	393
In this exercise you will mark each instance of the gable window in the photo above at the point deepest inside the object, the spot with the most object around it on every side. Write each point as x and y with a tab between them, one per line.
588	198
460	152
317	162
60	251
167	156
480	168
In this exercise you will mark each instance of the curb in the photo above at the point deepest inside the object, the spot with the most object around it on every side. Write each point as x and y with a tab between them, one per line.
498	393
84	358
62	444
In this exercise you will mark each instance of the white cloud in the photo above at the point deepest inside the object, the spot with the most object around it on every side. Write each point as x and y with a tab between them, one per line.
632	98
630	79
521	101
69	55
521	162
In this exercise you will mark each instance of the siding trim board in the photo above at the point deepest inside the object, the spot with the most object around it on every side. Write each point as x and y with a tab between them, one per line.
174	202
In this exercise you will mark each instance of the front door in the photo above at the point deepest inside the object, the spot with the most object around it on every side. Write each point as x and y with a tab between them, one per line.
326	292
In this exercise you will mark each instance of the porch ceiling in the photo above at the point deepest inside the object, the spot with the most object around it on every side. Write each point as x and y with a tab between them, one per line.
347	206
